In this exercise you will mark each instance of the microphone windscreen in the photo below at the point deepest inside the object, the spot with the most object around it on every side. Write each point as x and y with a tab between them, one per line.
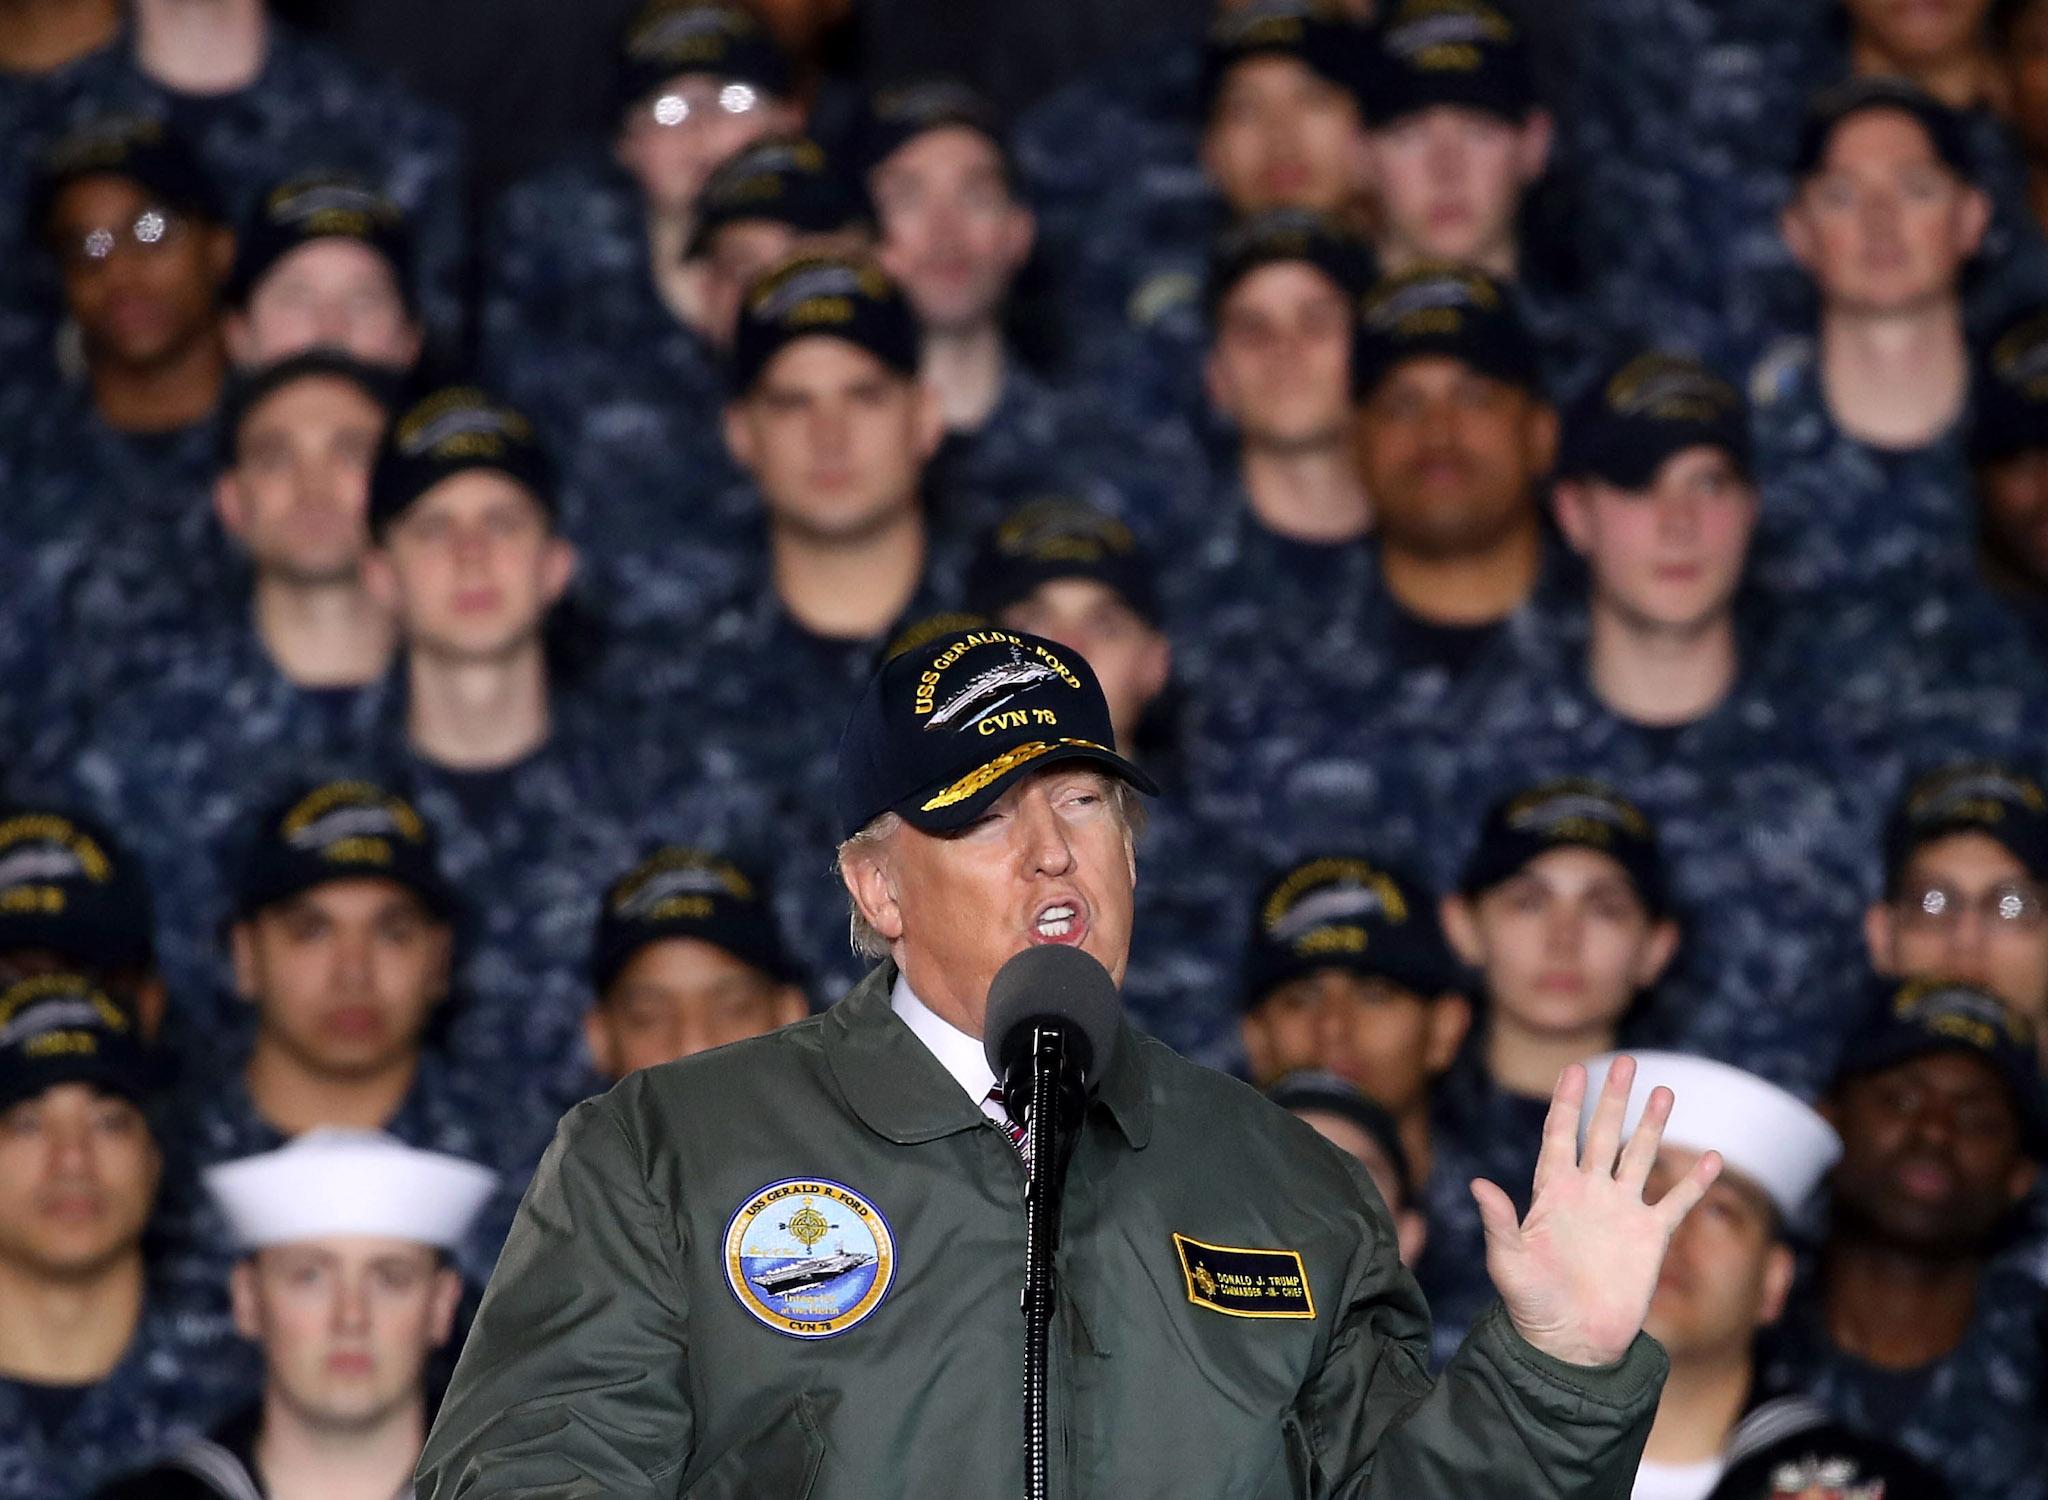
1051	981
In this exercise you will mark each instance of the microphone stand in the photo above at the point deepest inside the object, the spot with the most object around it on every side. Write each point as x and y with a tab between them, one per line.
1045	1132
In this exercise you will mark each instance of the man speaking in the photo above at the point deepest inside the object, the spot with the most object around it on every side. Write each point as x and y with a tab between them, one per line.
790	1267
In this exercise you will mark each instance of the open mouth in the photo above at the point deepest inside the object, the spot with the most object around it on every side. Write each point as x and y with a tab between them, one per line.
1061	922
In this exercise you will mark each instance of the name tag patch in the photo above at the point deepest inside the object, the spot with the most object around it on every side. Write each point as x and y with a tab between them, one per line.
1245	1283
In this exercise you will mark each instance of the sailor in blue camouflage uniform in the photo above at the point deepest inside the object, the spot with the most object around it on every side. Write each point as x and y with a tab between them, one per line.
830	419
1277	538
135	228
324	262
537	785
592	253
956	234
649	491
1939	1109
1061	568
1281	128
1678	131
1345	721
343	1280
1346	973
1717	718
299	108
342	945
118	1371
1865	485
1460	143
188	731
1562	910
600	313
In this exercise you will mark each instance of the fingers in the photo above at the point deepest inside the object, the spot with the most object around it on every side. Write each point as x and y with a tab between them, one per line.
1497	1213
1560	1149
1603	1132
1688	1190
1640	1154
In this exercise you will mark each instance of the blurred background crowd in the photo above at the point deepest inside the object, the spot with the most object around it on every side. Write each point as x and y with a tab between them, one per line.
1555	493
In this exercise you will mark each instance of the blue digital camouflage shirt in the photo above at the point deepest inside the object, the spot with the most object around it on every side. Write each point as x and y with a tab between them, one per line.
178	1377
190	736
1839	513
307	109
1975	1414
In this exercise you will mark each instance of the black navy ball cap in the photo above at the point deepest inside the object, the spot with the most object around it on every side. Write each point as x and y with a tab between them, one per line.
1442	310
449	432
1344	911
342	830
316	206
1572	812
1467	54
823	296
1651	407
680	892
944	730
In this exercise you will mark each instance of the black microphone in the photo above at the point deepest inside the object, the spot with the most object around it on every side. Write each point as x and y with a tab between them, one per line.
1045	994
1050	1033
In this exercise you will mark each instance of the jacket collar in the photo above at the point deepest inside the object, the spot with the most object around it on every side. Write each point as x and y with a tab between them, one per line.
900	1091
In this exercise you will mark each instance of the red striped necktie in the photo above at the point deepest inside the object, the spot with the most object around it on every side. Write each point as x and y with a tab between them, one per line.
1001	1117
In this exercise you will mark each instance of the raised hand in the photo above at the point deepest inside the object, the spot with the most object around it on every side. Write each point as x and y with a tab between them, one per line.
1578	1273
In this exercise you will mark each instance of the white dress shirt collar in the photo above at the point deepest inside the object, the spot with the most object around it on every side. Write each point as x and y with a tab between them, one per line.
958	1053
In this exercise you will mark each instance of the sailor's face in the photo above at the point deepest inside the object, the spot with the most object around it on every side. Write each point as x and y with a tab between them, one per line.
346	1324
1051	861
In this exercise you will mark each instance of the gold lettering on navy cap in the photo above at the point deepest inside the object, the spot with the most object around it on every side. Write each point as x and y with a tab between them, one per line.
1242	1283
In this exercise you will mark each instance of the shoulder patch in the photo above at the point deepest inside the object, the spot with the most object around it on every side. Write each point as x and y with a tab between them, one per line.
1245	1283
808	1257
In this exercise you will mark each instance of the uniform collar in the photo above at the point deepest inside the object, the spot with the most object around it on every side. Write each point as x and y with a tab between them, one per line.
957	1052
902	1091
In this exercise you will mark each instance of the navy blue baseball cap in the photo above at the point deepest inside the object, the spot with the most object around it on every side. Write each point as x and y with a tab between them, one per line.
63	1028
1651	407
1054	537
822	296
1571	812
1921	1017
448	432
1342	911
669	39
944	729
1313	33
899	114
1279	236
679	892
1985	797
789	180
66	885
248	389
1468	54
320	206
341	830
1444	310
1832	107
140	148
2009	403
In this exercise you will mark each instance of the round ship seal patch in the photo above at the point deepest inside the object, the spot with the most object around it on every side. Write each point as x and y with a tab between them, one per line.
809	1258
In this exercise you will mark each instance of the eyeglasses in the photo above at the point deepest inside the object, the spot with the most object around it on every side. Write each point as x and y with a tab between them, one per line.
154	229
2012	907
699	107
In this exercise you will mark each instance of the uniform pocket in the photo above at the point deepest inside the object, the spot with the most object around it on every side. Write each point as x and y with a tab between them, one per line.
777	1460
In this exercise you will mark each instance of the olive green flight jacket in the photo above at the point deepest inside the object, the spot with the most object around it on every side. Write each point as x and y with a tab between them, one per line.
1233	1320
